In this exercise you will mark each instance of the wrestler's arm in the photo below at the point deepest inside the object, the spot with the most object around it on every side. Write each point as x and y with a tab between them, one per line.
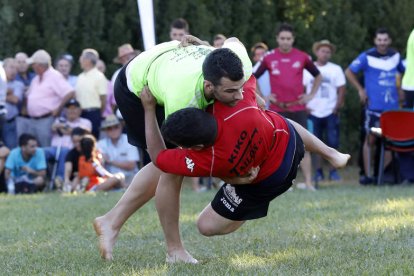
188	40
153	137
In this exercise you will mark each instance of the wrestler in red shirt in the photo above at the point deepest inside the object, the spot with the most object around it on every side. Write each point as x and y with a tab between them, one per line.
246	137
232	142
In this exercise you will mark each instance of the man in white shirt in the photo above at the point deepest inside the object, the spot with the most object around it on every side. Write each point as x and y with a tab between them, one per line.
118	154
329	99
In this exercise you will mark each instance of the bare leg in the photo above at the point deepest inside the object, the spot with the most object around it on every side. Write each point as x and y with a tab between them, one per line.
115	181
141	190
306	166
167	200
314	145
210	223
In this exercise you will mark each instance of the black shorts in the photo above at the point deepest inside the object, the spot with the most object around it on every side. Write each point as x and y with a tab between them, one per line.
246	202
300	117
132	111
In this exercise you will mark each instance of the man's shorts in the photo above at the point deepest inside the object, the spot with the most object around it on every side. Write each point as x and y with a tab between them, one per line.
132	111
300	117
372	119
246	202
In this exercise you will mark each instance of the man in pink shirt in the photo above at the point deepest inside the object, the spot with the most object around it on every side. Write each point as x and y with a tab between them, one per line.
47	95
285	65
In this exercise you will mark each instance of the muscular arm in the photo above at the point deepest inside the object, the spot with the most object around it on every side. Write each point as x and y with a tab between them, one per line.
153	137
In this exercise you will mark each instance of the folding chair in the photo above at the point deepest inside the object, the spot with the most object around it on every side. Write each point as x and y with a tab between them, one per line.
396	133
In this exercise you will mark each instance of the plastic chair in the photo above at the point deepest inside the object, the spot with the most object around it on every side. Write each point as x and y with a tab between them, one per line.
396	133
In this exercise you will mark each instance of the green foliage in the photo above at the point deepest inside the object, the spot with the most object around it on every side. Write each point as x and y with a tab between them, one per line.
339	230
71	25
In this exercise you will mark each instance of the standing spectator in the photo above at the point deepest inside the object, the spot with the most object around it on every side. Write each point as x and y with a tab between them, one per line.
125	53
26	165
14	98
258	51
329	99
408	78
91	89
110	104
118	154
380	66
178	29
62	128
64	65
285	65
47	95
23	73
3	92
218	40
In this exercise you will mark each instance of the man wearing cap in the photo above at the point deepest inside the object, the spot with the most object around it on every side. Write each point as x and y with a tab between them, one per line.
325	105
91	89
62	129
286	65
119	155
47	95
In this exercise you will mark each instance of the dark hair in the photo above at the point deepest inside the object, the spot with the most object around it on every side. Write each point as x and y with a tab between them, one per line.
88	146
25	138
80	131
190	127
285	27
382	30
220	63
180	23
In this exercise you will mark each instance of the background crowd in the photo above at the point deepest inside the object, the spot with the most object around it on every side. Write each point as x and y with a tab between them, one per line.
63	131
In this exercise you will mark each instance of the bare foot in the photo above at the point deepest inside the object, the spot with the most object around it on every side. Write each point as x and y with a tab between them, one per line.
180	256
106	237
338	160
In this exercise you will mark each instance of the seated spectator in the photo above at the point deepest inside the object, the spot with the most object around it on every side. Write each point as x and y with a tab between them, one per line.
4	152
26	166
62	129
92	176
14	99
64	65
118	154
72	159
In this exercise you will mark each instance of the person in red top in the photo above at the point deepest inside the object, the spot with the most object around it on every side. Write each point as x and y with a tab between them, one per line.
285	65
222	146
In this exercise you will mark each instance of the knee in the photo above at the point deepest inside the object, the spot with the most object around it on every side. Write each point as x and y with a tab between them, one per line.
204	228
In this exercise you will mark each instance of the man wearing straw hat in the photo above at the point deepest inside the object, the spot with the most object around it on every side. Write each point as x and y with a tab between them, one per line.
328	100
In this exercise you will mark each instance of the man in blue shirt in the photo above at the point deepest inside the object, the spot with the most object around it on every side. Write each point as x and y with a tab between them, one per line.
380	66
26	165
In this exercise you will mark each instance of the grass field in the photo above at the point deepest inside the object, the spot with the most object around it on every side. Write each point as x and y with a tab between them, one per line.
343	229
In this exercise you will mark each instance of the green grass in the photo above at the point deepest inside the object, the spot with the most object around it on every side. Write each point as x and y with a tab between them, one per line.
343	229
